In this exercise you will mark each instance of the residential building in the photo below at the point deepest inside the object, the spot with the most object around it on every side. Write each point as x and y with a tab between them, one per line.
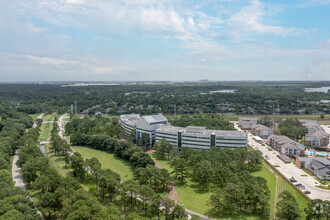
315	134
201	138
319	166
305	162
285	145
317	139
311	126
246	123
261	131
321	169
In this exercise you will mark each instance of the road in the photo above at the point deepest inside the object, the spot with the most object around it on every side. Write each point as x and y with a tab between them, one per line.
290	170
16	171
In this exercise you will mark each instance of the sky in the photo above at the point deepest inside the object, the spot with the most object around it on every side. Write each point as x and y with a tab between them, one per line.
130	40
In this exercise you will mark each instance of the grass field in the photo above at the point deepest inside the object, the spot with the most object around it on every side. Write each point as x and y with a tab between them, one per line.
108	161
45	131
34	116
49	117
271	183
196	200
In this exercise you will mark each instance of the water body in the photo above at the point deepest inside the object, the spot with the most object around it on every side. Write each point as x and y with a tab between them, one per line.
321	89
224	91
42	148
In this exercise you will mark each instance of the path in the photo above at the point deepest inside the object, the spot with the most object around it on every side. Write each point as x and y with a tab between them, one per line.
16	172
61	131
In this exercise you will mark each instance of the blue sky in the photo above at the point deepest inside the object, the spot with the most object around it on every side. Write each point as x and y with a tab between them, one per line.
164	40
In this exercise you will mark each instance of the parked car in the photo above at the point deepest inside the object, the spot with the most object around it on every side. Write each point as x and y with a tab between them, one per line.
307	192
302	187
293	180
298	184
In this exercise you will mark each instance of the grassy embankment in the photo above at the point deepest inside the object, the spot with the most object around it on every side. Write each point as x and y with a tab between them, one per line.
196	200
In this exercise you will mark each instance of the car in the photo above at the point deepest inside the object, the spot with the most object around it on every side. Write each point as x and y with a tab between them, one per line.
293	180
302	187
298	184
307	192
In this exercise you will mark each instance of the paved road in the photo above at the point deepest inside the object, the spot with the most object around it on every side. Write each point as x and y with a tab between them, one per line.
290	170
61	131
16	173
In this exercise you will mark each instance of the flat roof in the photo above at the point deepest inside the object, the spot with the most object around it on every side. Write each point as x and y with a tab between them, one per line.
201	131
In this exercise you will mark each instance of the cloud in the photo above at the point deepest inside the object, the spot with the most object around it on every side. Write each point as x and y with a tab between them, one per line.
249	20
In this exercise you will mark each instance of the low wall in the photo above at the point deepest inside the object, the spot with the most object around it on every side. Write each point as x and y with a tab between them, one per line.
286	179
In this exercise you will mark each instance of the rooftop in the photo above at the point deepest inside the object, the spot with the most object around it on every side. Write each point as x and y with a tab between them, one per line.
155	118
201	130
260	127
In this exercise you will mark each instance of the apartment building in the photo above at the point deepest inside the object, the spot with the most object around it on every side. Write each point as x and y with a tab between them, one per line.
261	131
317	139
319	166
285	145
315	134
246	123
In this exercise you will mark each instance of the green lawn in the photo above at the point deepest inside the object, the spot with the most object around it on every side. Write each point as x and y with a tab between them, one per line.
34	116
164	163
276	185
108	161
45	131
49	117
196	200
271	183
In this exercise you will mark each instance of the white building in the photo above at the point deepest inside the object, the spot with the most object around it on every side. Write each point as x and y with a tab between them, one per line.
158	128
145	124
200	138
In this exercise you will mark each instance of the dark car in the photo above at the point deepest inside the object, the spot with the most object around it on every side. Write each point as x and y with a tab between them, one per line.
307	192
298	184
293	180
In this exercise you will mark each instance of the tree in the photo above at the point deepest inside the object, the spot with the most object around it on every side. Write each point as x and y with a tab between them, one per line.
132	136
318	209
179	212
168	205
162	148
48	202
287	206
217	200
144	140
180	168
156	202
146	194
202	172
78	165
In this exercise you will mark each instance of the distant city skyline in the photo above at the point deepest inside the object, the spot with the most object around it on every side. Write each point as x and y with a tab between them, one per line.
150	40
